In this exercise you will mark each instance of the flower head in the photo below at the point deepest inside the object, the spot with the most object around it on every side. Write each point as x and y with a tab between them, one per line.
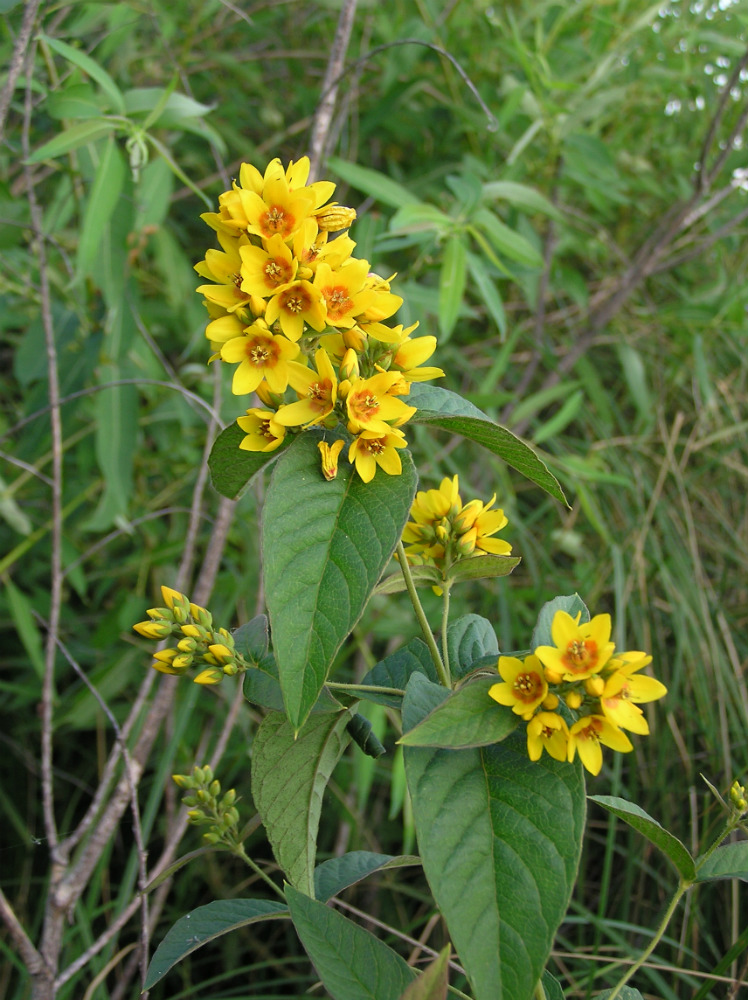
263	432
261	356
523	685
580	650
547	731
586	735
371	449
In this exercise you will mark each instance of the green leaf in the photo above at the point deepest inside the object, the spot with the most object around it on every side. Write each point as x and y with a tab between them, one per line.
105	194
468	639
253	638
176	106
325	545
263	689
451	283
76	101
571	604
231	469
116	410
488	292
21	611
500	838
625	993
289	776
71	138
332	876
396	670
433	981
524	197
552	987
89	66
468	718
636	817
373	183
418	217
205	924
484	567
729	861
441	408
422	576
507	241
351	962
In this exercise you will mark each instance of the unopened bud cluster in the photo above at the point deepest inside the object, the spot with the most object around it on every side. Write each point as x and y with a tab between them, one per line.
199	643
208	807
738	798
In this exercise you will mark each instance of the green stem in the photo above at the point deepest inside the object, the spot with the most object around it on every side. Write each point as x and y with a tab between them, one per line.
420	615
445	623
241	853
371	688
540	993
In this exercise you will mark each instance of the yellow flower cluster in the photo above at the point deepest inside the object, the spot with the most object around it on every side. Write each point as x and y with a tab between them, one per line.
444	530
601	691
292	308
199	643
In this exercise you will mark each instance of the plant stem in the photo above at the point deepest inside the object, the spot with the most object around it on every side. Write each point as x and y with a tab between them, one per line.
371	688
241	853
420	615
445	623
539	992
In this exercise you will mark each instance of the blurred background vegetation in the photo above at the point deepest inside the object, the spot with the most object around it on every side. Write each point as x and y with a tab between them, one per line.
561	189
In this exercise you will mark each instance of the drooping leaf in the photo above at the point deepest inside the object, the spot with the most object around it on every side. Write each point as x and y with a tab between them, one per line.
231	469
325	545
351	962
289	776
441	408
488	291
204	924
524	197
332	876
572	604
671	847
395	670
451	283
433	981
89	66
468	639
467	718
500	838
728	861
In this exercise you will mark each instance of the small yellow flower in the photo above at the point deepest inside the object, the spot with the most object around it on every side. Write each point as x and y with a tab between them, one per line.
318	389
371	449
265	269
344	291
262	356
295	305
523	685
586	735
371	407
263	431
580	650
330	454
547	731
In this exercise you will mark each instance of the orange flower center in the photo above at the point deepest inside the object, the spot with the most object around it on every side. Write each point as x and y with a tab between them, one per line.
590	732
338	302
580	655
365	406
262	354
375	446
276	220
527	687
276	272
294	301
265	431
319	391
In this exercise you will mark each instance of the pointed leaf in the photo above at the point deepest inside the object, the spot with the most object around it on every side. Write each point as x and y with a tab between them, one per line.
89	66
468	718
552	987
728	861
205	924
106	191
433	981
671	847
351	962
289	777
484	567
507	241
395	670
231	469
488	291
500	838
571	604
440	408
524	197
325	546
451	283
253	638
332	876
468	639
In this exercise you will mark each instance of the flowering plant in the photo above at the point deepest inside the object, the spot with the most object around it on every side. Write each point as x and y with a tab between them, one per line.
499	821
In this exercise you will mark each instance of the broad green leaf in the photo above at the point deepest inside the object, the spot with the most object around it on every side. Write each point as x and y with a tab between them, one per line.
332	876
231	469
484	567
552	987
571	604
636	817
488	291
468	639
71	138
468	718
290	772
351	962
444	409
253	638
204	924
262	687
395	670
500	838
373	183
524	197
89	66
433	981
728	861
422	576
451	283
105	193
508	242
325	545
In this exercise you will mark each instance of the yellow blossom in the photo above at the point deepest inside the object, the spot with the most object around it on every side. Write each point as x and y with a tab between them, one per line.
343	291
547	731
263	432
265	269
580	650
318	390
261	355
371	407
330	454
294	305
371	449
523	685
586	735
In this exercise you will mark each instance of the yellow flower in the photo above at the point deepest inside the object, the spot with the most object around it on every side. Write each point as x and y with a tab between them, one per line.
265	269
311	247
294	305
333	217
343	291
371	449
479	516
318	389
523	685
382	303
411	354
586	735
224	268
262	356
547	731
330	454
263	431
580	650
281	210
371	407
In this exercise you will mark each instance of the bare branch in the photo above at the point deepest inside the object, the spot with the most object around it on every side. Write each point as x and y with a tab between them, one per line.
16	61
704	179
34	961
333	73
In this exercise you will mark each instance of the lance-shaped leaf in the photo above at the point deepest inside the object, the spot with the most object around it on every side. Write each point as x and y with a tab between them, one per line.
395	670
468	639
332	876
433	981
499	838
483	567
728	861
451	283
572	604
289	776
325	546
204	924
467	718
441	408
671	847
351	962
231	469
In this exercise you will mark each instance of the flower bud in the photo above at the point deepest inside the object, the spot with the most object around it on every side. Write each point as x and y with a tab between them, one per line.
573	700
552	676
332	218
158	629
594	686
550	703
212	675
349	368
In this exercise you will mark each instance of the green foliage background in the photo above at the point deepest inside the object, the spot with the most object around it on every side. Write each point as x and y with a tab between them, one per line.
588	287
